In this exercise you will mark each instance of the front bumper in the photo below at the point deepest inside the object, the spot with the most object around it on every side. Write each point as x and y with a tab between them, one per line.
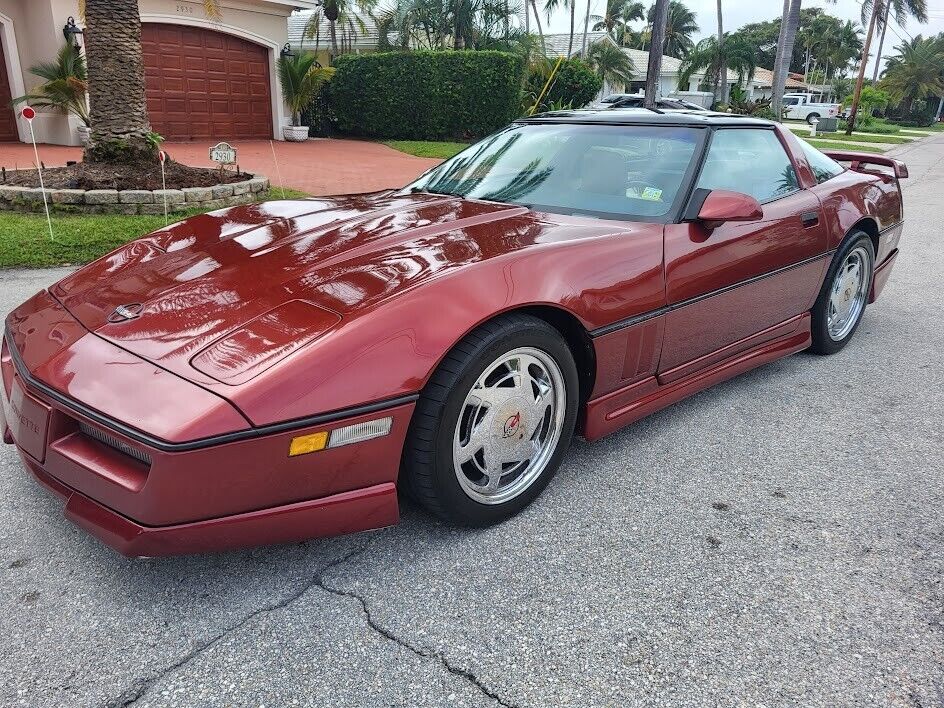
347	512
173	498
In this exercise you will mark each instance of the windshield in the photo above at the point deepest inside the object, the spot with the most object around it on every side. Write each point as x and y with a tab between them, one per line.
612	171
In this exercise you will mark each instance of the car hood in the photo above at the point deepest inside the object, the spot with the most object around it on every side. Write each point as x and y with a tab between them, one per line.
269	278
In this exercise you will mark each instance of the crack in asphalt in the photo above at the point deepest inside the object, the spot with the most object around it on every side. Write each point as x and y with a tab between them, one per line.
425	654
141	686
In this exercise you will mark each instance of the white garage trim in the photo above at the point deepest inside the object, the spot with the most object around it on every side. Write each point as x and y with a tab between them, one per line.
11	57
278	105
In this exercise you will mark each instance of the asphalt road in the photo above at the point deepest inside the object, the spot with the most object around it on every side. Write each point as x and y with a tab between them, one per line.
775	541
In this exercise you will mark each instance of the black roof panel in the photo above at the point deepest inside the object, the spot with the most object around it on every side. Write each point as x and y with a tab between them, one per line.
644	116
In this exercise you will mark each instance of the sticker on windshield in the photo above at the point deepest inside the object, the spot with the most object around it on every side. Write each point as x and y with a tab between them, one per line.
651	194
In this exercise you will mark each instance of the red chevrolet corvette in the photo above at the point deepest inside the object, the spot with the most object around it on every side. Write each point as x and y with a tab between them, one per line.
275	372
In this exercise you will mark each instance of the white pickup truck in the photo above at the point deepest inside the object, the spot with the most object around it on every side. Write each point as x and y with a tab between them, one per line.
801	106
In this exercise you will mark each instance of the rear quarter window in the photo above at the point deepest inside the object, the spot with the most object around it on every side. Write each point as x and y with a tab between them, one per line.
823	166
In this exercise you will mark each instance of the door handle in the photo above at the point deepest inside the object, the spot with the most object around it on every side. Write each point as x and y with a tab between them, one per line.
809	218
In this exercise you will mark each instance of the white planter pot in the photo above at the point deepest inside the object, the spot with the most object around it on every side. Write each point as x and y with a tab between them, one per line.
295	133
84	133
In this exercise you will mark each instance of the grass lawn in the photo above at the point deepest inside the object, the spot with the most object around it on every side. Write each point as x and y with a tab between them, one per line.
24	238
839	145
427	148
870	138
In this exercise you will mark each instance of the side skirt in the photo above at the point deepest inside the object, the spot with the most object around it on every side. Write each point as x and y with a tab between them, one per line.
627	405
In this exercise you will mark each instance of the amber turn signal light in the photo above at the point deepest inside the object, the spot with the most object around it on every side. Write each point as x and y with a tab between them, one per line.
304	444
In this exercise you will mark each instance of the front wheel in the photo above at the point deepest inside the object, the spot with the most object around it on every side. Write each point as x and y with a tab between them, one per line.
493	423
841	302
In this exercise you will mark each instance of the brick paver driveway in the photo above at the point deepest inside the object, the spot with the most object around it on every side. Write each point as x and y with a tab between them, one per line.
318	166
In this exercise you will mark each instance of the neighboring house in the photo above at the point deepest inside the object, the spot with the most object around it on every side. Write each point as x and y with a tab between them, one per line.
761	86
205	79
354	37
668	77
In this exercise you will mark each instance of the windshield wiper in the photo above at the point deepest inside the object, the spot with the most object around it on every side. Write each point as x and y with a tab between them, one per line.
426	190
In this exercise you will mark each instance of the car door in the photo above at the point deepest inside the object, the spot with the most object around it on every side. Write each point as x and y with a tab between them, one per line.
741	283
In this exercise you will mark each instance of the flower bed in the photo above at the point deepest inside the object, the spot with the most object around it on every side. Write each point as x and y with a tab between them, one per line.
131	201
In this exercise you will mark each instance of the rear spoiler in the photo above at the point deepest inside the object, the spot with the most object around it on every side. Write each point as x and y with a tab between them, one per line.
867	158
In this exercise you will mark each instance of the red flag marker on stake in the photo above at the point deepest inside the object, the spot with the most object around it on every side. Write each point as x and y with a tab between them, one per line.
28	114
162	156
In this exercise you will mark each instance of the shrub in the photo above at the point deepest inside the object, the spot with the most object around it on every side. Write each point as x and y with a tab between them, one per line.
880	127
574	85
301	78
921	115
426	95
318	115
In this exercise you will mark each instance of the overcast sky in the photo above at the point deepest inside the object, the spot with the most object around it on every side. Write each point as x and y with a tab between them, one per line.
740	12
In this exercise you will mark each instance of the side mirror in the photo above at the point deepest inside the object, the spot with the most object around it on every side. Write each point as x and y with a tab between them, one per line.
720	205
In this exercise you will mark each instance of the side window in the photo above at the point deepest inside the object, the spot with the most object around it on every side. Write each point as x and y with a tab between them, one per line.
748	160
823	167
791	101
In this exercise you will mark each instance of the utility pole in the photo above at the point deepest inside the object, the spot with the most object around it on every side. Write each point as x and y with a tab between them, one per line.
864	60
659	20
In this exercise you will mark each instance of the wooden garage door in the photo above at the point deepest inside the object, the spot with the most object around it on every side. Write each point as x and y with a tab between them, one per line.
7	121
204	84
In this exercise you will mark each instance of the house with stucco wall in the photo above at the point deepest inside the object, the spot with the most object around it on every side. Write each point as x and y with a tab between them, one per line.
205	79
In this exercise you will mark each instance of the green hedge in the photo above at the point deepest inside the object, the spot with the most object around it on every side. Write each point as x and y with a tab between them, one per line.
575	84
426	95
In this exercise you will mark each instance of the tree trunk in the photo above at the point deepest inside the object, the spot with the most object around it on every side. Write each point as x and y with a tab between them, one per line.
721	71
333	34
120	124
570	43
657	39
881	42
864	60
537	19
776	102
586	27
788	27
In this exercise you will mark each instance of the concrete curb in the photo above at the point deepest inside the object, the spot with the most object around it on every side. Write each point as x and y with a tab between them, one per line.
131	201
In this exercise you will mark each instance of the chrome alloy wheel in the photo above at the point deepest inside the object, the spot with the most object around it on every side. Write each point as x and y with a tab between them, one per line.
509	425
848	293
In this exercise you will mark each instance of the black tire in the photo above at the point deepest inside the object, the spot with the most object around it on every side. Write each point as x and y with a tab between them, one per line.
811	116
427	468
823	342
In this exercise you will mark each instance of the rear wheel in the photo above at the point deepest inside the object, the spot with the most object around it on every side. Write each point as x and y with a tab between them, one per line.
841	303
494	422
811	117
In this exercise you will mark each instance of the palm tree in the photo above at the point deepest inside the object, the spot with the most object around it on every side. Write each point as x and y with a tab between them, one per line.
537	17
65	86
339	13
618	17
301	80
586	26
653	72
721	75
734	52
447	24
789	23
903	8
680	25
610	63
121	130
617	14
550	6
916	72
